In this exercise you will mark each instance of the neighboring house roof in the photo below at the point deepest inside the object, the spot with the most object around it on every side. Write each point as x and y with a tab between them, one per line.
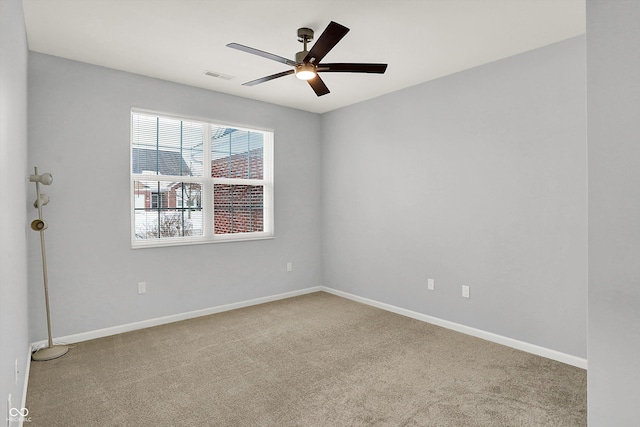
163	162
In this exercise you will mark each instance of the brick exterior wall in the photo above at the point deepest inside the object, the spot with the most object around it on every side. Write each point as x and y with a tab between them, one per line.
238	208
235	166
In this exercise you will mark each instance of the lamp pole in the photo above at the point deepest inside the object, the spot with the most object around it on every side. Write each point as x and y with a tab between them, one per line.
51	351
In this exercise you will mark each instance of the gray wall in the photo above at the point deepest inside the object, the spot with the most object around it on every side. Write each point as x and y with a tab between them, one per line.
478	179
613	70
79	131
14	343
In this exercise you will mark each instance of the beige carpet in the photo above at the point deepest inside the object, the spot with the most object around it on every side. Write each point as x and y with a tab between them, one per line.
314	360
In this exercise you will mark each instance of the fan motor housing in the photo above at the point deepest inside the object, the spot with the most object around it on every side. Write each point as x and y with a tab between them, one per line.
300	56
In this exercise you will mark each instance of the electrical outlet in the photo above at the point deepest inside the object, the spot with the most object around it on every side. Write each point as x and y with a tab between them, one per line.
289	266
431	285
142	287
465	291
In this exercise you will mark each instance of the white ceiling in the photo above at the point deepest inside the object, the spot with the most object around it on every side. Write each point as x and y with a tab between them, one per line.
178	40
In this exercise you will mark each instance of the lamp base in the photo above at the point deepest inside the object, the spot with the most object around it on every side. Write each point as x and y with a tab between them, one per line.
49	353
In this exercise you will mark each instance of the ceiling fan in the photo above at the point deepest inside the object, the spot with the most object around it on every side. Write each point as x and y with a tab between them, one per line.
307	64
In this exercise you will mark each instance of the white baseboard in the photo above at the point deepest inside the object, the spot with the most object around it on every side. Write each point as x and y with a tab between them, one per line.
499	339
114	330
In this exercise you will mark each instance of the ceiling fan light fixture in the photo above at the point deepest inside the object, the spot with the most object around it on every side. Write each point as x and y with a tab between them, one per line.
305	71
308	63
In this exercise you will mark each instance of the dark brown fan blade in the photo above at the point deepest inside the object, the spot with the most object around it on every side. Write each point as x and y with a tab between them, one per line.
352	68
318	86
327	40
262	53
267	78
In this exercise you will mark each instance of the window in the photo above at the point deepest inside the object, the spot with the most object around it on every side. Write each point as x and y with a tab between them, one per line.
197	182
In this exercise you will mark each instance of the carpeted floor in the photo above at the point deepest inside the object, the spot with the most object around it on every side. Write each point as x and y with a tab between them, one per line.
314	360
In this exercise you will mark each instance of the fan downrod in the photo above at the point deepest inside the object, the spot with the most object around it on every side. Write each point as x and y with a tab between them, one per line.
305	35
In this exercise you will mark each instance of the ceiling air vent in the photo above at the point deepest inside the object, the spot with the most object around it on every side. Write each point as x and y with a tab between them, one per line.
218	75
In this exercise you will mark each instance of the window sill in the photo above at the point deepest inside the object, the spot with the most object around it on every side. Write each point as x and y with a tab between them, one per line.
161	243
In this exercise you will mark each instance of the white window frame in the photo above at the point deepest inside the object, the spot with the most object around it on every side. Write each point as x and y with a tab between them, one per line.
207	182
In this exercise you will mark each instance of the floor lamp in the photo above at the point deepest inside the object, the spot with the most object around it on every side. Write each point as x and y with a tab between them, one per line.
51	351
